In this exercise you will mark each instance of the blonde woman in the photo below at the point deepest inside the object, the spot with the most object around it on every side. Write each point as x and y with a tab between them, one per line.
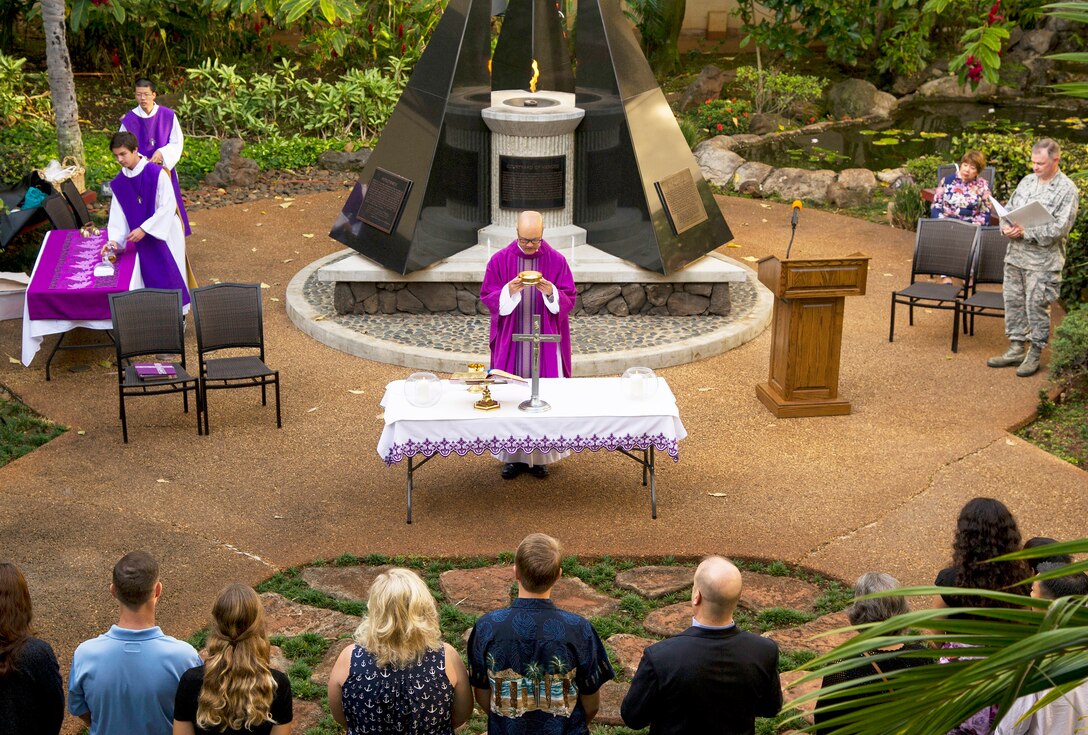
399	676
234	692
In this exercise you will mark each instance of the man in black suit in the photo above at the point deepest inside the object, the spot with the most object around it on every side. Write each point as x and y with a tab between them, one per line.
713	677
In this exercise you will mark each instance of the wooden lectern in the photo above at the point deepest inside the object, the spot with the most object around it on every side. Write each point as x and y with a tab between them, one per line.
806	332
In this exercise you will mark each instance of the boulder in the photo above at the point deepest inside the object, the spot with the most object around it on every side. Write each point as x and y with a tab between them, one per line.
466	303
436	297
595	297
767	122
655	581
717	162
574	595
387	302
634	295
342	299
791	690
805	111
853	188
658	293
669	621
707	86
489	588
859	98
890	175
1038	41
612	694
948	87
1015	34
810	635
287	618
344	583
699	289
617	307
797	183
343	160
761	591
628	650
232	169
683	303
720	303
408	302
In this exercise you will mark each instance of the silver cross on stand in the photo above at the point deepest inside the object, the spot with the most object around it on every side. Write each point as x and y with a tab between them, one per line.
534	404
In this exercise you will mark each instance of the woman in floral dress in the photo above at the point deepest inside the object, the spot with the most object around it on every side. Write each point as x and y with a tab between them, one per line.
964	195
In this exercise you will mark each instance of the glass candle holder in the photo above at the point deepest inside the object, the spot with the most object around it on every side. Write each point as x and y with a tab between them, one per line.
639	383
423	390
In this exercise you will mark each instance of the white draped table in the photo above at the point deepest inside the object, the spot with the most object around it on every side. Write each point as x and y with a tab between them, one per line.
586	413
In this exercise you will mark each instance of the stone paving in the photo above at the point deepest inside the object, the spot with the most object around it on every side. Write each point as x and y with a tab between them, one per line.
589	334
476	590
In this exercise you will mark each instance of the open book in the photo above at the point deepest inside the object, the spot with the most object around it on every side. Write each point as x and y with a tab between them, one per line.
496	373
1032	214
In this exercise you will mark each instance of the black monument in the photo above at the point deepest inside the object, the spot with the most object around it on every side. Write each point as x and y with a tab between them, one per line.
638	192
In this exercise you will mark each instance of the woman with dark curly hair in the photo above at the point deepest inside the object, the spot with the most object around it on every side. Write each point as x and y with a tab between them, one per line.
985	529
31	691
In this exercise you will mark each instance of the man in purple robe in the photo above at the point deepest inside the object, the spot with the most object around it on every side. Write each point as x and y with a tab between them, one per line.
158	135
513	305
143	213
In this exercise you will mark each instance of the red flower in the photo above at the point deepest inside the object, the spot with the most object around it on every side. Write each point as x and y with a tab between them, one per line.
811	119
992	17
720	127
400	31
403	48
115	59
370	29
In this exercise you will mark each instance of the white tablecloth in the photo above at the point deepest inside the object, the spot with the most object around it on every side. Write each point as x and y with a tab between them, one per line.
587	413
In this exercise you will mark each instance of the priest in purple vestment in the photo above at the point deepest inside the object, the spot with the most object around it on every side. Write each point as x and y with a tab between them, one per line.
513	306
158	135
143	214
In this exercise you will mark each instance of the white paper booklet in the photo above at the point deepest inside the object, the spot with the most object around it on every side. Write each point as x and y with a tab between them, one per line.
1032	214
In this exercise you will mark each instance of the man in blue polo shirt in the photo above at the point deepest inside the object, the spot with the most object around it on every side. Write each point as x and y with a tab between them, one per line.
123	682
533	667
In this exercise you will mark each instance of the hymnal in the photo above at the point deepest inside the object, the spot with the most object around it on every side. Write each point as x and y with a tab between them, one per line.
155	370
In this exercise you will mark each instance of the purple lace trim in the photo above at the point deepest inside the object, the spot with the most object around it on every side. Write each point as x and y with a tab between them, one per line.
494	445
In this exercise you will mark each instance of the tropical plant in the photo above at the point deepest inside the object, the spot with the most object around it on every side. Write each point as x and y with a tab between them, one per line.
1034	646
20	94
774	90
907	207
658	23
1069	349
694	132
723	117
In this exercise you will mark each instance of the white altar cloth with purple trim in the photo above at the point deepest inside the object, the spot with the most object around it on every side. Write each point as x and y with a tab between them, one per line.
586	413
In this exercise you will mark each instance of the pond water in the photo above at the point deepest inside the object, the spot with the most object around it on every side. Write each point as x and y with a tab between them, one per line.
915	130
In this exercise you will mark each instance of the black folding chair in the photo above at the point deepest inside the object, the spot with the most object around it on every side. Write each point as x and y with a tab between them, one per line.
942	247
60	214
989	267
228	316
75	201
148	321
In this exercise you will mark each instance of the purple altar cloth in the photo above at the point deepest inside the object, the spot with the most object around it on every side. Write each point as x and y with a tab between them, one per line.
64	285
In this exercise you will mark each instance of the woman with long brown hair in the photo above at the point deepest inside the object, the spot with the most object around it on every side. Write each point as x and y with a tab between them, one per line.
235	692
31	691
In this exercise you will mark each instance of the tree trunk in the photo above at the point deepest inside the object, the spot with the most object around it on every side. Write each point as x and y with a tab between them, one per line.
62	86
668	56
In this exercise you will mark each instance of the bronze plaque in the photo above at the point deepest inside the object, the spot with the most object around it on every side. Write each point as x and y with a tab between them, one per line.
683	205
384	200
532	183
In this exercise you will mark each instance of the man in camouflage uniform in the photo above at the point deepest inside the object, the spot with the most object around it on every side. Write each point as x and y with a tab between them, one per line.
1035	257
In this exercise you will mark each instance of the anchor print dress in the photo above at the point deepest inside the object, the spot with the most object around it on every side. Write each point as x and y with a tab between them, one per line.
417	700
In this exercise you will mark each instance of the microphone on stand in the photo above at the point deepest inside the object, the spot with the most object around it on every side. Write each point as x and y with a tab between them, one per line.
793	224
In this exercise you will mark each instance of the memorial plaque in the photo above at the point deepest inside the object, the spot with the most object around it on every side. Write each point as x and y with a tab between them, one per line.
680	197
532	183
384	200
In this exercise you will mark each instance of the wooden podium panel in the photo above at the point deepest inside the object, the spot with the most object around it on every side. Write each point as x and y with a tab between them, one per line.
806	333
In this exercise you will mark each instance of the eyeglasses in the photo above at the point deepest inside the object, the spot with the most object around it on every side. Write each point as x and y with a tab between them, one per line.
526	241
144	95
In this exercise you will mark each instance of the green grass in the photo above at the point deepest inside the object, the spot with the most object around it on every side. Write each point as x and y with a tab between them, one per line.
21	429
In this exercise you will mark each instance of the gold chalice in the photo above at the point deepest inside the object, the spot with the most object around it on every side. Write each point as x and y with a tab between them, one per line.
477	367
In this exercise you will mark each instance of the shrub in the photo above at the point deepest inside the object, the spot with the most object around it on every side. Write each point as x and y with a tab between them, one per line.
924	169
1069	349
908	207
21	95
693	132
779	90
723	117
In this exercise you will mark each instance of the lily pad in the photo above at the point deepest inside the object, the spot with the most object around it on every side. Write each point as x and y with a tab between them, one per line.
867	132
886	141
927	134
